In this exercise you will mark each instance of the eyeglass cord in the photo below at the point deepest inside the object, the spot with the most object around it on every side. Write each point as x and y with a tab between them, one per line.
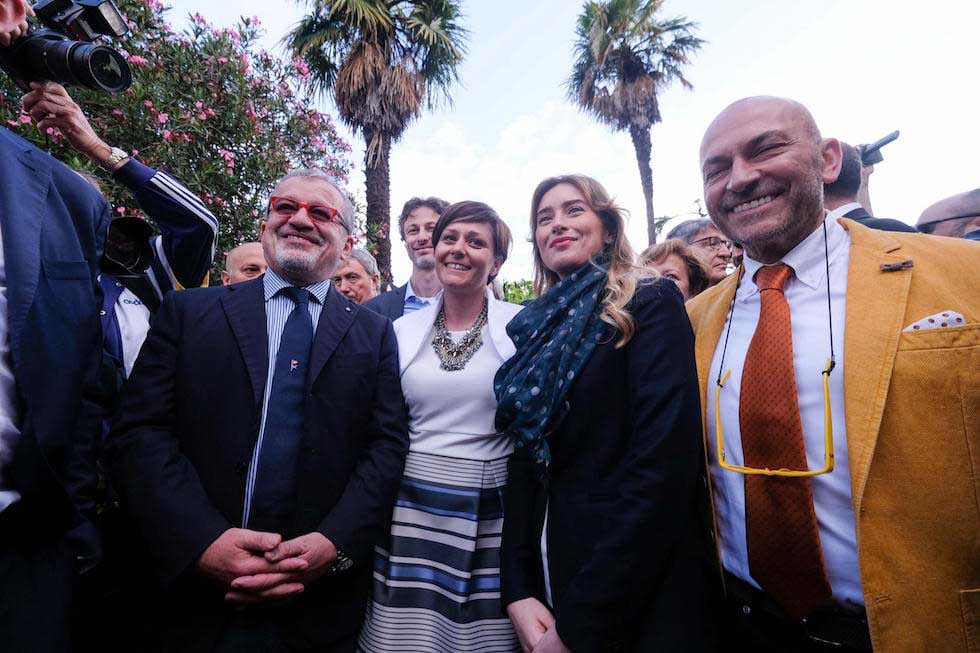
830	318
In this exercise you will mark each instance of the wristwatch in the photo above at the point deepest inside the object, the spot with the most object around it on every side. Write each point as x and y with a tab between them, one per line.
115	156
342	563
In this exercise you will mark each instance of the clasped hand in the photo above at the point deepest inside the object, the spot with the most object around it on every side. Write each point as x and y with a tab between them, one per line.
254	566
535	627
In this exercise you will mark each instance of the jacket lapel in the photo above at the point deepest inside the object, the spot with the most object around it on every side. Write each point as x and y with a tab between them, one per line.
876	302
245	307
710	327
22	226
335	320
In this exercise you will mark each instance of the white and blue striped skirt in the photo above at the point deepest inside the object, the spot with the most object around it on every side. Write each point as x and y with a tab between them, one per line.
437	583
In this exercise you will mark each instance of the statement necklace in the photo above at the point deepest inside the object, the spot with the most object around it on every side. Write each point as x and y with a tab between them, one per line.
453	356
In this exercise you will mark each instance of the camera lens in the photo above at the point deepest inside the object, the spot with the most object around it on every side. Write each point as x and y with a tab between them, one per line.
47	55
99	67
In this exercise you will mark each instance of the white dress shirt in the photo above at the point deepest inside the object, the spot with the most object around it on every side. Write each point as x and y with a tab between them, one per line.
806	292
9	417
133	318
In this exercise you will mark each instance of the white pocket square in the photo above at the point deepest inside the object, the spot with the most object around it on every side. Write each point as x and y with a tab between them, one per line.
940	320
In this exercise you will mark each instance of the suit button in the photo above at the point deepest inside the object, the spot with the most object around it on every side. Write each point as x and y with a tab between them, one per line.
746	610
241	468
118	285
102	313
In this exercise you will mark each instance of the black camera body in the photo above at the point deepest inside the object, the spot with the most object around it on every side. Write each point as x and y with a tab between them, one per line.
65	49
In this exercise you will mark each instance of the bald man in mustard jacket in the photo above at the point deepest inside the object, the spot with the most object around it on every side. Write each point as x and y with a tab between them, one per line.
882	551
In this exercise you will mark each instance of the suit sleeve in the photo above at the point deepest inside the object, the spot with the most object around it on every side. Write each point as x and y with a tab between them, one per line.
355	522
188	231
519	549
158	485
657	499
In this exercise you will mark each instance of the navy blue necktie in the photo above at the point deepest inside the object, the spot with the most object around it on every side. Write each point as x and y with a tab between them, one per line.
274	492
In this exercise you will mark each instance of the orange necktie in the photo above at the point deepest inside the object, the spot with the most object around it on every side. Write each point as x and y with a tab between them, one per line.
785	557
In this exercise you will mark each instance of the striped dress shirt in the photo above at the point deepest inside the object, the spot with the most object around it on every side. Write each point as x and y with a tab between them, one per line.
277	310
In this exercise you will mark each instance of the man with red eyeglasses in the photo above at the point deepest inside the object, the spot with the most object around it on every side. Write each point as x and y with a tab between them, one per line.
260	507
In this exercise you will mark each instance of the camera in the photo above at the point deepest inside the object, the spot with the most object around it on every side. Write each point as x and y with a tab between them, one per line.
64	50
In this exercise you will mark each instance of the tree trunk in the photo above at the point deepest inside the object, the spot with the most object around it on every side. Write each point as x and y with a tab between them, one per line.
378	191
642	146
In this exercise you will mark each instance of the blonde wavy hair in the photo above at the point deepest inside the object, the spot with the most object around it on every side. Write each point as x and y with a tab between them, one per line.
623	273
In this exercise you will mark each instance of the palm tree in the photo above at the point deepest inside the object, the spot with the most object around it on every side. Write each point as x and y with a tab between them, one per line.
384	61
624	57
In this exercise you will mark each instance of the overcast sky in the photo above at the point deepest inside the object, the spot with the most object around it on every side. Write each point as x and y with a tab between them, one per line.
863	67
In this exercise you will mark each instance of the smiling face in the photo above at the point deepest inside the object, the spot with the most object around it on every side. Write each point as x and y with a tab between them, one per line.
243	263
764	166
299	249
465	259
567	232
418	237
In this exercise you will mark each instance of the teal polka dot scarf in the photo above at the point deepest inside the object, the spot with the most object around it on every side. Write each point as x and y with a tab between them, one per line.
554	335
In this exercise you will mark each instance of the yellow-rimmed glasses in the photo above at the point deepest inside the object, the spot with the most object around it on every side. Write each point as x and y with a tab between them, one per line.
828	438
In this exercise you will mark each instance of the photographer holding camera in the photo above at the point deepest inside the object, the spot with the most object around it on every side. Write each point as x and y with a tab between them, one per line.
138	269
52	225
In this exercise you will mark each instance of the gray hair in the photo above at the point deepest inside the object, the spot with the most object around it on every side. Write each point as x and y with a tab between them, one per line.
689	229
347	207
367	261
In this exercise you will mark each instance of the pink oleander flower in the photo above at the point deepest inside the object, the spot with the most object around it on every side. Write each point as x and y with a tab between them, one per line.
138	61
163	118
13	123
117	113
222	59
24	118
121	210
198	105
202	116
167	134
148	103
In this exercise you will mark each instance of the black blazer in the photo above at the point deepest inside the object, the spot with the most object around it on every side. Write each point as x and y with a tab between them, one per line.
54	227
628	566
861	215
181	445
391	304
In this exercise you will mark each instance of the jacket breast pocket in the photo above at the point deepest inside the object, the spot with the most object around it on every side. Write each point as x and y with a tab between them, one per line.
71	289
54	269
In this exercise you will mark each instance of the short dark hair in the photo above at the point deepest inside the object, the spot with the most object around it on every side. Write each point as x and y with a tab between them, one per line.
482	214
697	272
436	204
848	182
689	230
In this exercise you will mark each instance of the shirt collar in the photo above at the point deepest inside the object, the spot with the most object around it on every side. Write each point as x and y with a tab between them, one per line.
273	283
807	258
410	294
841	211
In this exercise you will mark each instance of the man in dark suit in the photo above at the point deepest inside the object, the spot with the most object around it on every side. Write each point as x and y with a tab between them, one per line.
415	224
261	441
52	227
841	197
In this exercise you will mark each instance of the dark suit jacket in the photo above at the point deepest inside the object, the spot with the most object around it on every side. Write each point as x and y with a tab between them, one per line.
628	566
182	442
53	227
883	224
391	304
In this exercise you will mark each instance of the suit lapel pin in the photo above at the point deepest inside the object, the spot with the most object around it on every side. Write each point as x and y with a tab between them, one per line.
895	267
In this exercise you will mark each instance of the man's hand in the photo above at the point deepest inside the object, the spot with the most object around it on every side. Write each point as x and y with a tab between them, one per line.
315	551
531	620
13	20
551	643
239	552
51	107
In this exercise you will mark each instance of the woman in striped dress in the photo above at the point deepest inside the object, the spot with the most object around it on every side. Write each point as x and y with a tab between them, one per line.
437	577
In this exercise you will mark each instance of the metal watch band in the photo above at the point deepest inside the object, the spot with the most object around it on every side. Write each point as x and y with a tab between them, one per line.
109	163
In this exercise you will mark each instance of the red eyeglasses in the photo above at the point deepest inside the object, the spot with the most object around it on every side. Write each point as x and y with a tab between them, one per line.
287	208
